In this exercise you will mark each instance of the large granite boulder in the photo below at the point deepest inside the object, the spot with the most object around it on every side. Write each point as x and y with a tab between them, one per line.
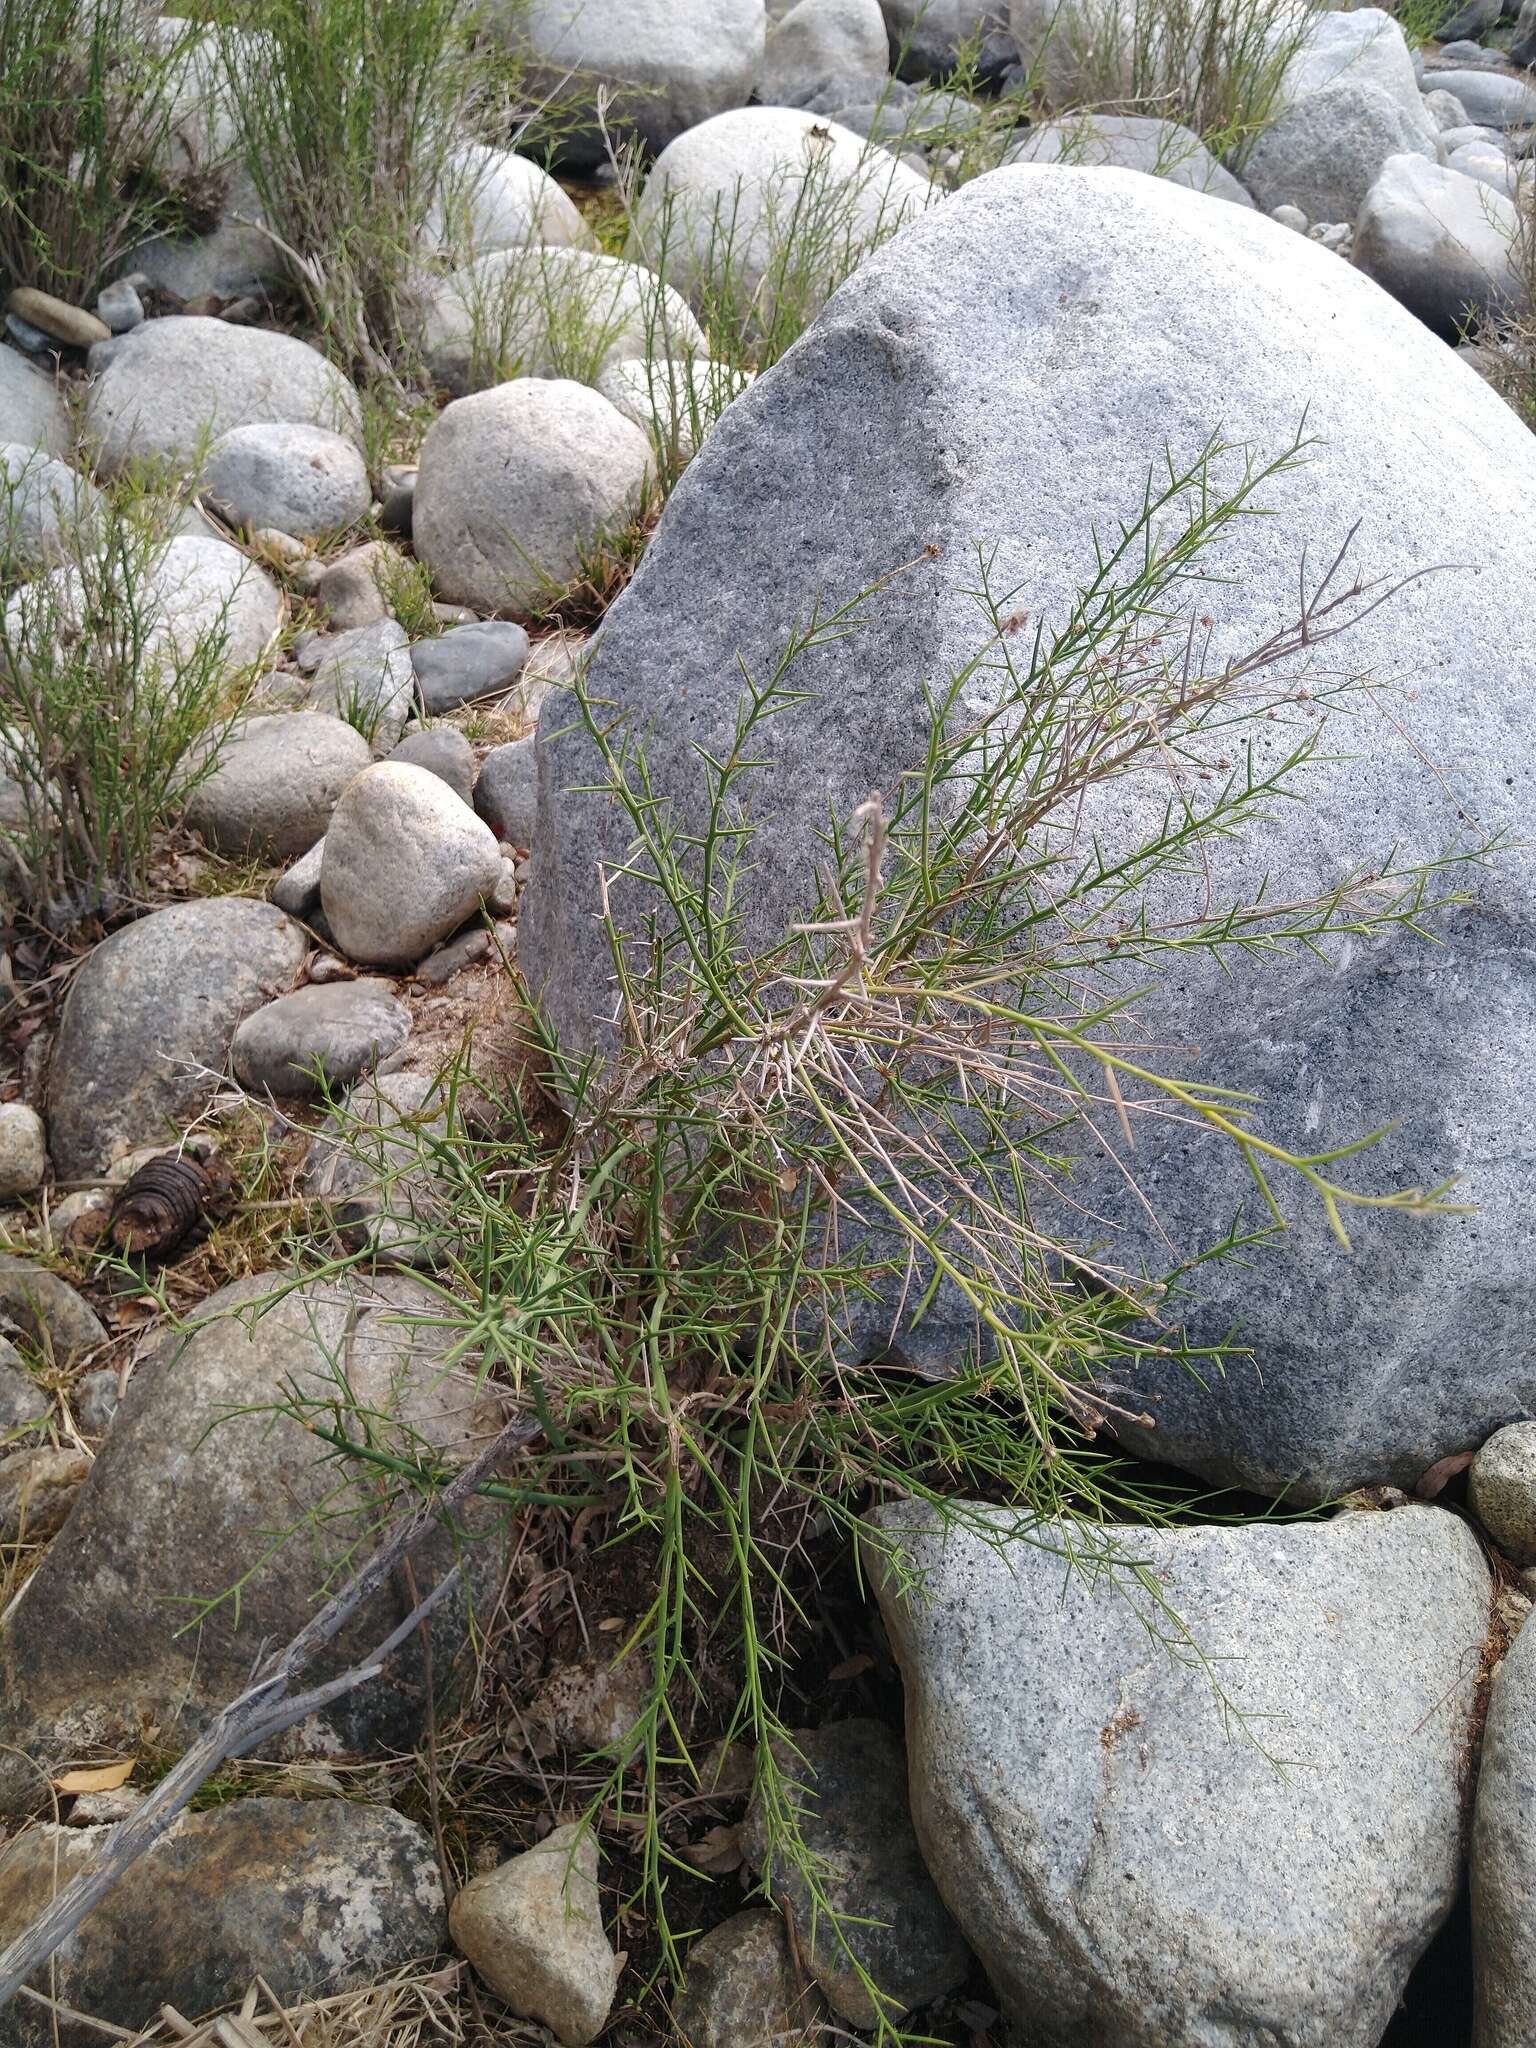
213	1520
1503	1860
1008	371
1208	1801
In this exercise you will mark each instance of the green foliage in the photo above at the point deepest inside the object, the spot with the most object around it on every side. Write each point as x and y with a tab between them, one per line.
109	715
87	167
665	1272
347	114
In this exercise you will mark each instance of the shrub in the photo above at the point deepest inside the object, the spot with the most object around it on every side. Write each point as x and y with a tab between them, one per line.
87	107
109	718
657	1266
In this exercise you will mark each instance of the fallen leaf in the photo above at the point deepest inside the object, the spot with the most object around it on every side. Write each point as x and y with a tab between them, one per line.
1439	1475
102	1778
851	1667
716	1853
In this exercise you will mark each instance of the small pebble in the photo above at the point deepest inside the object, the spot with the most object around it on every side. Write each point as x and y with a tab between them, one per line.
95	1401
119	306
23	1151
448	960
26	336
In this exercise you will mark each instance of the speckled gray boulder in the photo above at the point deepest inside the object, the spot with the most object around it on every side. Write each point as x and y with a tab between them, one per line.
1130	142
1130	1859
1501	1490
849	1780
57	1324
300	480
468	662
406	862
507	791
276	784
518	484
1503	1860
1007	301
444	752
147	1024
1441	243
337	1029
666	65
216	1903
165	1521
31	410
173	384
492	199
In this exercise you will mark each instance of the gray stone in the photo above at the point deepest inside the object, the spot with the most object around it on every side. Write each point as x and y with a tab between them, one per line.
1445	110
30	338
1522	48
492	199
51	1318
31	411
851	1797
298	891
742	1990
119	307
46	508
817	40
533	1930
1131	142
1132	1859
931	33
1493	98
549	312
1491	138
466	950
276	784
468	662
507	791
750	180
1324	152
518	485
1503	1857
373	1163
95	1398
444	752
23	1151
1501	1490
23	1402
38	1487
406	862
147	1024
365	676
1366	45
338	1031
172	384
666	64
1001	305
353	591
202	1457
1488	166
1441	243
300	480
313	1896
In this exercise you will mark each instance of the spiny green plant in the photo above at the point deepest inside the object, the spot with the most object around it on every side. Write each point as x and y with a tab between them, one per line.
667	1268
110	715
